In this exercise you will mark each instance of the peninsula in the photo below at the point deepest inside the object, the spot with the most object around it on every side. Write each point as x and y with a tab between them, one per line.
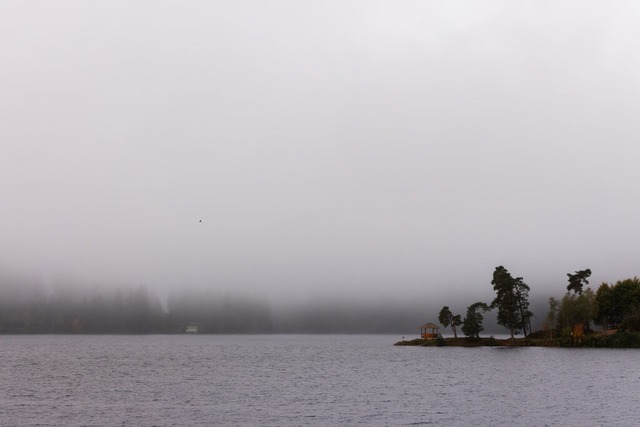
570	322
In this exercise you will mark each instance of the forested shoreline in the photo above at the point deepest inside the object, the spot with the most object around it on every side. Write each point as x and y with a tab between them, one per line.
578	318
27	307
607	317
134	311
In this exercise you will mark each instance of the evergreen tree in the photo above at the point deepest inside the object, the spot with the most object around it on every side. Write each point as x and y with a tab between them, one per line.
522	297
578	280
472	324
511	301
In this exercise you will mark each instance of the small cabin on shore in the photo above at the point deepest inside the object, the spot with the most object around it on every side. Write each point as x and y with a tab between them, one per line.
429	331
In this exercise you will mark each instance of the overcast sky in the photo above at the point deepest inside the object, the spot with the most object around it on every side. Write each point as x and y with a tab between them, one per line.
372	148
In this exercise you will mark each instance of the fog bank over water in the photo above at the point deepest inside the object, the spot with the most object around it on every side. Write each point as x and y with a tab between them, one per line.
67	306
375	155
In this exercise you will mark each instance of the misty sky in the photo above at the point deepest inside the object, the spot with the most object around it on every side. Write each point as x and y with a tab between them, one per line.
367	148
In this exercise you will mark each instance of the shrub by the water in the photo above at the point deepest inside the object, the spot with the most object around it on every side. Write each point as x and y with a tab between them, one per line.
492	341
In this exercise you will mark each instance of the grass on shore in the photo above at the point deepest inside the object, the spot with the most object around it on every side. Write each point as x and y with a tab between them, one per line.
537	339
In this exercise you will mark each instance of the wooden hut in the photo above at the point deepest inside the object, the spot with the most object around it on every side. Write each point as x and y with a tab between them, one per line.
429	331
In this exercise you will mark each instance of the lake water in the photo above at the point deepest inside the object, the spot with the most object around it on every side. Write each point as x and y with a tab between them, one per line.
297	380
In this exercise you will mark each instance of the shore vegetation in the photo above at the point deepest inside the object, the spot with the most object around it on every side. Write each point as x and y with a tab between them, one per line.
607	317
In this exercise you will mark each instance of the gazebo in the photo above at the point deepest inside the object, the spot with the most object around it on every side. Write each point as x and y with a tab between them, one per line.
429	331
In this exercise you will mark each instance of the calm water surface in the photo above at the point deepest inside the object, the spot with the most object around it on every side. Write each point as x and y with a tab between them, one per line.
308	380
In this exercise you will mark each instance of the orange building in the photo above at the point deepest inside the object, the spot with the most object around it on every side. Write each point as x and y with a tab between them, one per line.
429	331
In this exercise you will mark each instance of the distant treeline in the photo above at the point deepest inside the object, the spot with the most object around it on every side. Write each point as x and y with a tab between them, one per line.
136	311
26	308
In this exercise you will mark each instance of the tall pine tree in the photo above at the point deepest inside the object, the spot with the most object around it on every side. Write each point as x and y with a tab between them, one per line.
512	301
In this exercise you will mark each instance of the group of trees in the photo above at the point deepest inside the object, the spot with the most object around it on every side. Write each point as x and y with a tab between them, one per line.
69	311
69	306
511	301
472	323
611	306
618	305
31	309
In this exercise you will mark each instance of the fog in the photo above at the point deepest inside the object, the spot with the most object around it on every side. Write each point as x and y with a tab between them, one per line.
319	157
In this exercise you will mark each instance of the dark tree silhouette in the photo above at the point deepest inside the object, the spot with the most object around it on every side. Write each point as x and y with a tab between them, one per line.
472	324
447	318
511	301
578	280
